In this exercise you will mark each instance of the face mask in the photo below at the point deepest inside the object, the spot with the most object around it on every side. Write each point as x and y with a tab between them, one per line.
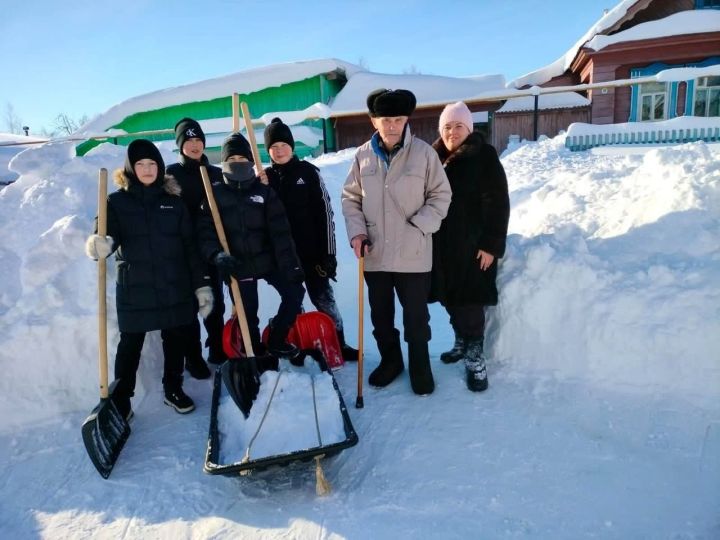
240	172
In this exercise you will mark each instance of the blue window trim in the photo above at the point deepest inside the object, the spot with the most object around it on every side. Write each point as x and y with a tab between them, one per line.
655	68
700	4
646	71
690	96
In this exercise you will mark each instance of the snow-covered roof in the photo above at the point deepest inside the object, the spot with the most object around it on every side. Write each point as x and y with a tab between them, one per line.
677	24
428	89
684	22
564	100
242	82
559	66
10	138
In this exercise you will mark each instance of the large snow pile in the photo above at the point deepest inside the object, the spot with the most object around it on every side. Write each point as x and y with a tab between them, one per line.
602	417
611	273
612	270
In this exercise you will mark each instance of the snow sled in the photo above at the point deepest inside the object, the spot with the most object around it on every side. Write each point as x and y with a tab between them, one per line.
312	330
282	412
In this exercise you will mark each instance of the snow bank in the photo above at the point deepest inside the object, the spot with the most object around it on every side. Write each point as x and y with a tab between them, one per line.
612	275
612	268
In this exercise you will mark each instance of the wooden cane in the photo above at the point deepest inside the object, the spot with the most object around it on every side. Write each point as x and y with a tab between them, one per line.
359	402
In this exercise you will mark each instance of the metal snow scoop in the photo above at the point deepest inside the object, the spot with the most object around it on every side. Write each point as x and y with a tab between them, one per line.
105	431
231	372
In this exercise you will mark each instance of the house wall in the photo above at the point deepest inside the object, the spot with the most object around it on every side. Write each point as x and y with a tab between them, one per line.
613	105
550	123
614	62
352	131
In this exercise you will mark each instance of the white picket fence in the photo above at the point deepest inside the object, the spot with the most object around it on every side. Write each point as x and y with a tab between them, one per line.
642	135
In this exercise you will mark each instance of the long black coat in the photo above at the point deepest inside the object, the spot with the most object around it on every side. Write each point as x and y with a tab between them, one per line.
256	228
158	263
308	208
477	219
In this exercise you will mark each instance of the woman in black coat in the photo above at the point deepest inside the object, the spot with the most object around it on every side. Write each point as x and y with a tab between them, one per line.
471	238
159	271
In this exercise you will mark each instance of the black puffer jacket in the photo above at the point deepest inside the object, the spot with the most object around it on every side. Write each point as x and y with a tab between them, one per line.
308	208
477	219
158	264
256	228
187	173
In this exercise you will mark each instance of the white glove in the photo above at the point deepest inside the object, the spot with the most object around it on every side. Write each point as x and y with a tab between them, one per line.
205	301
98	247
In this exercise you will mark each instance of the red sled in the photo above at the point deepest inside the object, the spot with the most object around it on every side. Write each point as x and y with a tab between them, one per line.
232	339
315	330
312	330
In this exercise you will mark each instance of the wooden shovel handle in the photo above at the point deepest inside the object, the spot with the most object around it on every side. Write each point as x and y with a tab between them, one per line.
220	230
102	287
251	136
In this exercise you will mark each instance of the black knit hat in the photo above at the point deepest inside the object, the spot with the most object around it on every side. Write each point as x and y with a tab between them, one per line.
187	128
384	102
236	145
276	131
143	149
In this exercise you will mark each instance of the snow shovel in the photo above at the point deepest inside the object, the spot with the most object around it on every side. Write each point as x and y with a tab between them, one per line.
359	402
251	137
232	374
105	431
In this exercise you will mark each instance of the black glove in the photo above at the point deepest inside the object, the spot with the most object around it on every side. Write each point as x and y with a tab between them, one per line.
226	264
295	274
328	267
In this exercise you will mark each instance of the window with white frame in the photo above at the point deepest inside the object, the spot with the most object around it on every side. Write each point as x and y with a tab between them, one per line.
653	101
707	96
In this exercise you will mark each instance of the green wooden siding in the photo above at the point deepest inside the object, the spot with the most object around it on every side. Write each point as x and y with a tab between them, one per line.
293	96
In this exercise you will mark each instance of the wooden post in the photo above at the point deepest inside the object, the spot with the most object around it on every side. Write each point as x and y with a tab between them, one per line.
235	112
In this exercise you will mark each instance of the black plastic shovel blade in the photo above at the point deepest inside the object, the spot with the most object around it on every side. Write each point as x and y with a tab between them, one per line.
241	378
104	433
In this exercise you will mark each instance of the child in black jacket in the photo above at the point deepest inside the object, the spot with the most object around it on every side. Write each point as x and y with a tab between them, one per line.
261	246
160	275
190	140
310	214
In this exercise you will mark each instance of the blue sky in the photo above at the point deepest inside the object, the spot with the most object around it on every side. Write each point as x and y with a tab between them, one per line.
82	57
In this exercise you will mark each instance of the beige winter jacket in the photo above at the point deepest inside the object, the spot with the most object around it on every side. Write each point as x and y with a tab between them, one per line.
397	208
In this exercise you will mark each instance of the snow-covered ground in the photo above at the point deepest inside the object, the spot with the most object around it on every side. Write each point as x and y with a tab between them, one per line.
602	419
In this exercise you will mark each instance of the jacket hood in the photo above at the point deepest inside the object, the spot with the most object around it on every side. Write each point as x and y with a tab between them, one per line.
123	181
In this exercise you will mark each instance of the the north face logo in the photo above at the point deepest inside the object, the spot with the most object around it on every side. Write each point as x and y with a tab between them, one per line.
257	199
163	207
300	182
190	133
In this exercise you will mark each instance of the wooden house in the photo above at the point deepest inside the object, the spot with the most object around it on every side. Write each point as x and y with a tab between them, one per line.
285	87
637	38
349	113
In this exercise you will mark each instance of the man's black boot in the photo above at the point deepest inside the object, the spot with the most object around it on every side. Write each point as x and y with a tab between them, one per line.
391	363
421	377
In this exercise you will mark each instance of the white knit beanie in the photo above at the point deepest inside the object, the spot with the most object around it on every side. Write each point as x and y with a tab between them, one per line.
456	112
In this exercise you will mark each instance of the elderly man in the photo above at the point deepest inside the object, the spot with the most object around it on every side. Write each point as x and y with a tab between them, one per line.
395	197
